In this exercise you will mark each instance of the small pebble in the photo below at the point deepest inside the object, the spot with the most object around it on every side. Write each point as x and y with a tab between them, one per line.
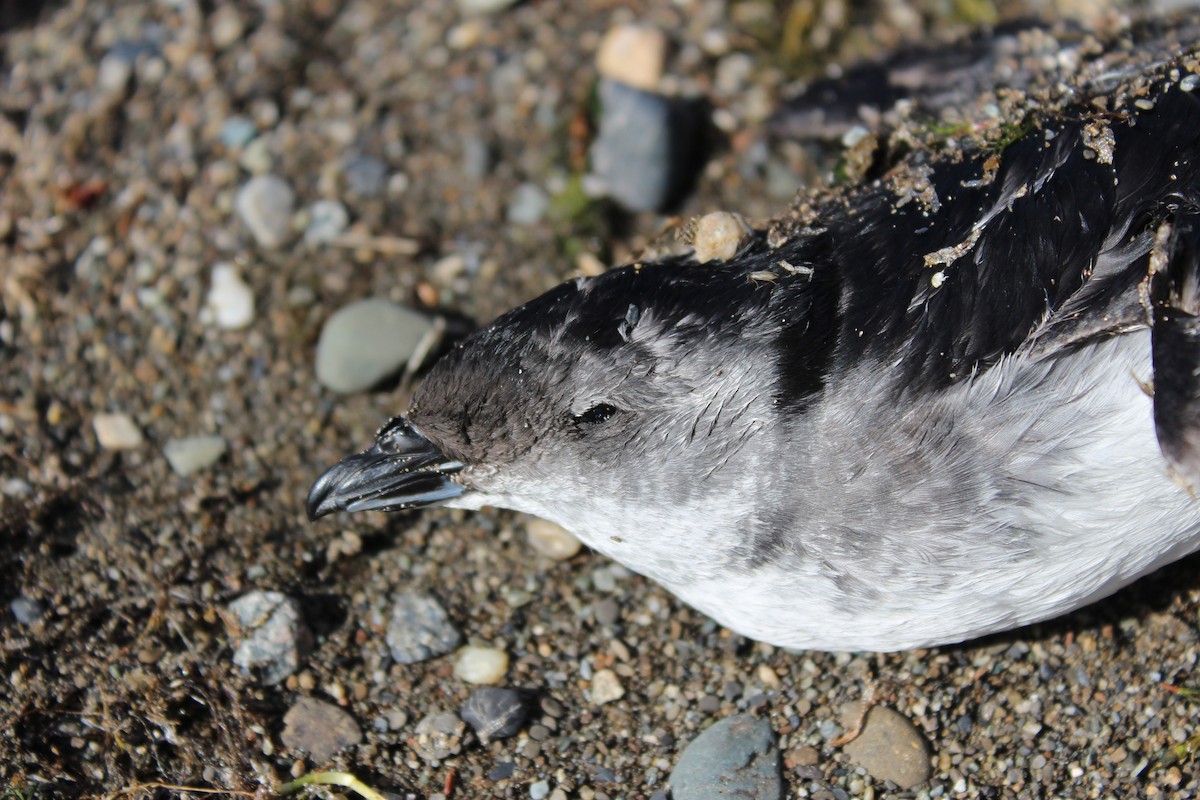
551	540
15	487
256	159
113	73
27	610
327	220
737	757
318	728
485	6
528	204
230	301
117	432
539	790
718	236
366	176
476	158
603	580
439	736
265	204
275	636
367	341
633	55
495	713
480	665
237	131
419	629
194	453
226	27
890	748
607	611
606	687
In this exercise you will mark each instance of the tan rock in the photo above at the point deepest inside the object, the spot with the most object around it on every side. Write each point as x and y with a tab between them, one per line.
633	55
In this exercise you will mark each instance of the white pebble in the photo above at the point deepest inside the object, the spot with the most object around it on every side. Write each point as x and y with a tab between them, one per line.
190	455
265	204
327	220
553	541
230	301
113	74
226	27
606	687
480	665
117	432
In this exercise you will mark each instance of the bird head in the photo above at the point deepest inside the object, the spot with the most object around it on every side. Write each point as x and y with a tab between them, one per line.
605	400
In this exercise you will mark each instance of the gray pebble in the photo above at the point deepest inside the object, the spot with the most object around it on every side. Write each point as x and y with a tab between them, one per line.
603	580
265	205
494	712
27	610
539	790
327	220
256	158
485	6
607	611
113	74
890	748
15	487
319	729
528	204
366	176
194	453
646	147
734	758
276	637
439	736
367	341
476	158
419	629
237	132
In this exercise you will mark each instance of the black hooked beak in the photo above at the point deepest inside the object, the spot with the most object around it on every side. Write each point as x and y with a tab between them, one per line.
402	470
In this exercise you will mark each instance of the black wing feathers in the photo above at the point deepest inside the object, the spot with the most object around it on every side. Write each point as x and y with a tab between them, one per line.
950	290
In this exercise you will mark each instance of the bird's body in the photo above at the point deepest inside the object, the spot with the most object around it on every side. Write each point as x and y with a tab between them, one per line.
912	415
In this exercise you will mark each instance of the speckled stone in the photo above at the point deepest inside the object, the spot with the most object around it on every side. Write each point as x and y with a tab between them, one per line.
419	629
275	637
737	757
318	728
890	748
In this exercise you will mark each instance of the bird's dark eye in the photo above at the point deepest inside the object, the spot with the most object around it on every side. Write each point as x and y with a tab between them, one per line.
601	412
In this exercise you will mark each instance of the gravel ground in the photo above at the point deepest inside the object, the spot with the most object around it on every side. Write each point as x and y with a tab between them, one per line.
156	445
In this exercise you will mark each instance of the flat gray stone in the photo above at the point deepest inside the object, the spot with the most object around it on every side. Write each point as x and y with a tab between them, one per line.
367	341
419	629
737	757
